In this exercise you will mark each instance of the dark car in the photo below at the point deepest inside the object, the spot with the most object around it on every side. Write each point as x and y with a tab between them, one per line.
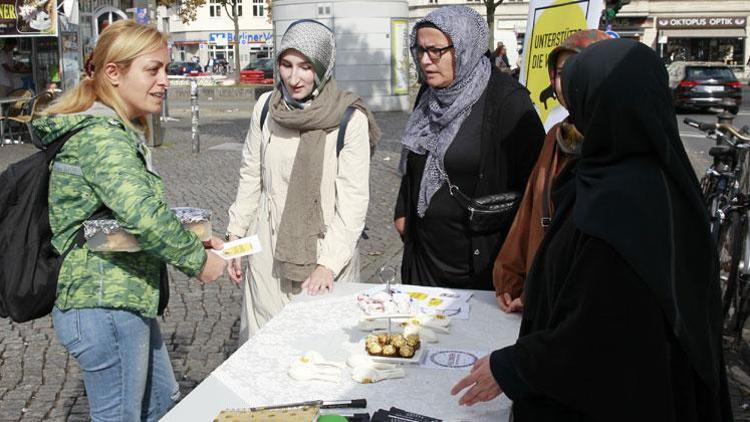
183	68
700	85
266	65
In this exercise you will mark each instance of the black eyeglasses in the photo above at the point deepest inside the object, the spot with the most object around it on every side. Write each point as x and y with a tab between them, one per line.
434	53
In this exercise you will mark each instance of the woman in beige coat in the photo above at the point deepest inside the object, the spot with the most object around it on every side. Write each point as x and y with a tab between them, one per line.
306	201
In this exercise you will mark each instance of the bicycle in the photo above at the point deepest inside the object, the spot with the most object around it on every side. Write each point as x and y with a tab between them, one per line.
726	191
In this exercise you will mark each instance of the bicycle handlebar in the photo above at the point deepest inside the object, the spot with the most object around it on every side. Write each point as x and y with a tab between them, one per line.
703	127
707	127
735	132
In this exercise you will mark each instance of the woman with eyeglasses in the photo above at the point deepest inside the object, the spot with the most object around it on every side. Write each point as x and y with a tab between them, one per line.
472	126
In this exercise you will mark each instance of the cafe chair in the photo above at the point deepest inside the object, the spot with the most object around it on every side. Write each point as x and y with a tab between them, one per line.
11	108
29	112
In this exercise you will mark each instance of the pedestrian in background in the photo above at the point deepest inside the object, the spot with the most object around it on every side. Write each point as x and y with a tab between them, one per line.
563	141
306	201
501	58
107	302
473	125
622	319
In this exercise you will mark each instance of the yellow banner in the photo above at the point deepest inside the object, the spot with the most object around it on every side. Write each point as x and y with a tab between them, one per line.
550	22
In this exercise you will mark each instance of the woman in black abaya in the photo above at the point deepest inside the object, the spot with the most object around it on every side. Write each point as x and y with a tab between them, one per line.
622	318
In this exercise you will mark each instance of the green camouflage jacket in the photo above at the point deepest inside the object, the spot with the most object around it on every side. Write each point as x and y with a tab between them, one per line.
108	163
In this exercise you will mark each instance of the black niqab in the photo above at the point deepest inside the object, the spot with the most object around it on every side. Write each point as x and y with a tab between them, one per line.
636	190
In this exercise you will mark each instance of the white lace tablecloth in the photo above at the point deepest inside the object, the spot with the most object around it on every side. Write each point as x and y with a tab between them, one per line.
257	372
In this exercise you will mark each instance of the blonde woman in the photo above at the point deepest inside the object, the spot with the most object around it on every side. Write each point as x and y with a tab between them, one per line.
306	201
107	302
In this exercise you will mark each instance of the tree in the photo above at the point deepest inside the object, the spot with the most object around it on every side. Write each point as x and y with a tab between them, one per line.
491	5
234	15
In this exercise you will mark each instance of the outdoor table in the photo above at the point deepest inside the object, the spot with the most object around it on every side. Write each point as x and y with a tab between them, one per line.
3	102
256	374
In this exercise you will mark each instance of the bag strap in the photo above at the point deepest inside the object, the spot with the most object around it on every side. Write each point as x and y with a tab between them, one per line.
455	192
342	129
264	112
50	151
342	125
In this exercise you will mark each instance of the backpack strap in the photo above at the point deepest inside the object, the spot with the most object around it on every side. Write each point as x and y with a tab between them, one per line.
342	125
342	129
264	112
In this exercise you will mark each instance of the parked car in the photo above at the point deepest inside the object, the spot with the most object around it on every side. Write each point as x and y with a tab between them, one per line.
700	85
265	64
183	68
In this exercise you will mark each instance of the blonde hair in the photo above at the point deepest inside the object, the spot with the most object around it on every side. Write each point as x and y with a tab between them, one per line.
120	43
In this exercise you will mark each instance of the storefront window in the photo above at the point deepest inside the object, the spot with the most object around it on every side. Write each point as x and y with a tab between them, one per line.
730	51
222	52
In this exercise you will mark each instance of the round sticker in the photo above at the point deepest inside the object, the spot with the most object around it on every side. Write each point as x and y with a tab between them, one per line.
455	359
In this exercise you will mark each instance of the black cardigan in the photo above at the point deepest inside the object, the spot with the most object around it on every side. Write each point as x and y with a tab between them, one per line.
512	136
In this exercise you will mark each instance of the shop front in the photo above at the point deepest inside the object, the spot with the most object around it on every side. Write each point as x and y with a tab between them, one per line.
40	46
205	45
704	38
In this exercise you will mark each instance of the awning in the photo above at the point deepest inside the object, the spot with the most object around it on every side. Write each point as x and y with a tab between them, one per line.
629	33
703	33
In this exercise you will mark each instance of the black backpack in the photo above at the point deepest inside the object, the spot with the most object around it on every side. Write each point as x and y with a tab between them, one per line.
28	264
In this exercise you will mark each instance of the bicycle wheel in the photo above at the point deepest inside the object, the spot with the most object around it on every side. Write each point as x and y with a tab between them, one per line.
733	235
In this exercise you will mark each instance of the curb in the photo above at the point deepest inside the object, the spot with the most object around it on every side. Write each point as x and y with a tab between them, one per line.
183	92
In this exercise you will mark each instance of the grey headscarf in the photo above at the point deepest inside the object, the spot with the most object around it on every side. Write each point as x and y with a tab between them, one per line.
435	121
316	42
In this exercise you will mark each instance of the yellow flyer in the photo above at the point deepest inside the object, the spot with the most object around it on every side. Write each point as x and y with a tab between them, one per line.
246	246
549	23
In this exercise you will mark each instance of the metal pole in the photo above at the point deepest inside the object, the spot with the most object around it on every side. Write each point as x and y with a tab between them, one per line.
165	107
194	107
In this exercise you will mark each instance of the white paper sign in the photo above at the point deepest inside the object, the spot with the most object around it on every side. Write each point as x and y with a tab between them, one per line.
451	303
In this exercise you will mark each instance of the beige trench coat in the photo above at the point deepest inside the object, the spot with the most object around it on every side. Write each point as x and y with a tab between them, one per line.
267	160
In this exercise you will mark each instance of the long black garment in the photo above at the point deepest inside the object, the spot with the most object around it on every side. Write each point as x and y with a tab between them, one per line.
494	151
621	319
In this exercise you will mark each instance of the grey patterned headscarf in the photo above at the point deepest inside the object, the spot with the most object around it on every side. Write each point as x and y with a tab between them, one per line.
317	43
435	121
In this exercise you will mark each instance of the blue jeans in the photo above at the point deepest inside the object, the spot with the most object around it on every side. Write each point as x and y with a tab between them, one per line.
126	368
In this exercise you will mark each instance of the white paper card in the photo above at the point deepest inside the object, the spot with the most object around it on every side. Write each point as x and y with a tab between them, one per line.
452	303
241	247
461	360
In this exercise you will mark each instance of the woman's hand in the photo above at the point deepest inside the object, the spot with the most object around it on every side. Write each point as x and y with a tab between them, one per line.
483	386
508	304
320	280
400	225
235	266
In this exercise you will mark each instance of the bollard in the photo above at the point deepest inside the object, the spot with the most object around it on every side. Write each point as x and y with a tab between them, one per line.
165	107
196	136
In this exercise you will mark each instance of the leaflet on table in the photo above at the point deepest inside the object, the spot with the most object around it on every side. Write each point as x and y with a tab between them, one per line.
450	359
433	300
241	247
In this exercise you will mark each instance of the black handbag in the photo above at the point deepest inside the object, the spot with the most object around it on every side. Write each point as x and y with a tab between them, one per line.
489	213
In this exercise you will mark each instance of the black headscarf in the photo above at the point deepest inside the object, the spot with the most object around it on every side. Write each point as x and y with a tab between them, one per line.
636	189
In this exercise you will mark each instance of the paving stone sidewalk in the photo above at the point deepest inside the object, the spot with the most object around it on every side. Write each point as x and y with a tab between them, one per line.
39	381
